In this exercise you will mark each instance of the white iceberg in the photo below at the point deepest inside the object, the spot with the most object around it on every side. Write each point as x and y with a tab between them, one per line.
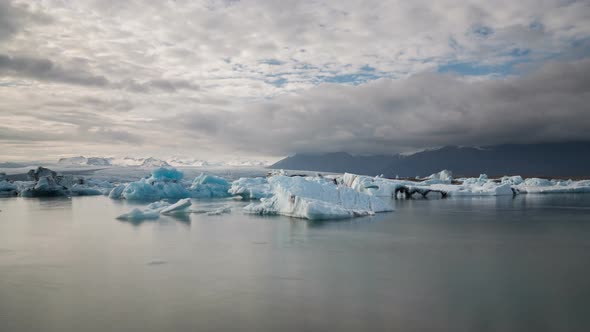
537	182
486	189
316	199
378	186
374	186
512	180
444	176
209	186
251	188
542	186
481	180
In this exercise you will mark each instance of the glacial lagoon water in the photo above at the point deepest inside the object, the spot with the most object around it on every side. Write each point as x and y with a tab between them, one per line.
475	264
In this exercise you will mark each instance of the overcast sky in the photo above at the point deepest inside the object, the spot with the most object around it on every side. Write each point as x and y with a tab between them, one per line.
226	79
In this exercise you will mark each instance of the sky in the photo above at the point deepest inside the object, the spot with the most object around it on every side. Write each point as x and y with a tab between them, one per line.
265	79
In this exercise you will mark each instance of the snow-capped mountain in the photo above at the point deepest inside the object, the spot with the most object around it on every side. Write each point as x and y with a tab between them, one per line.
155	162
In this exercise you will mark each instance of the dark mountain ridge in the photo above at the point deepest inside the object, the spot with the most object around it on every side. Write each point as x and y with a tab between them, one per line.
546	159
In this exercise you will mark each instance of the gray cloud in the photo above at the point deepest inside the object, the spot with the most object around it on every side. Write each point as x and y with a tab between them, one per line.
14	17
47	70
164	85
85	135
425	110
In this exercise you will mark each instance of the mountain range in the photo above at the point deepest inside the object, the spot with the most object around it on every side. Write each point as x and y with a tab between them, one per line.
548	159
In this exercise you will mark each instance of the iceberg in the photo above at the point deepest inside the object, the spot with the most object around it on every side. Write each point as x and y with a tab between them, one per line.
382	187
512	180
209	186
486	189
444	176
7	188
141	190
45	186
80	190
117	192
251	188
374	186
315	199
166	174
163	183
537	182
542	186
481	180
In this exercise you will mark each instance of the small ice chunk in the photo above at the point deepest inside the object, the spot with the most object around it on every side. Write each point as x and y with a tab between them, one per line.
180	206
137	215
158	206
221	210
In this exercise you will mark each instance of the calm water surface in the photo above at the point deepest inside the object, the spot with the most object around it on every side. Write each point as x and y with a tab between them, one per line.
488	264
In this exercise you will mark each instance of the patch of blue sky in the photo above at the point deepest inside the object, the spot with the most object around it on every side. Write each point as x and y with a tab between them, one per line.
519	52
272	62
353	78
367	68
475	69
278	82
483	31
